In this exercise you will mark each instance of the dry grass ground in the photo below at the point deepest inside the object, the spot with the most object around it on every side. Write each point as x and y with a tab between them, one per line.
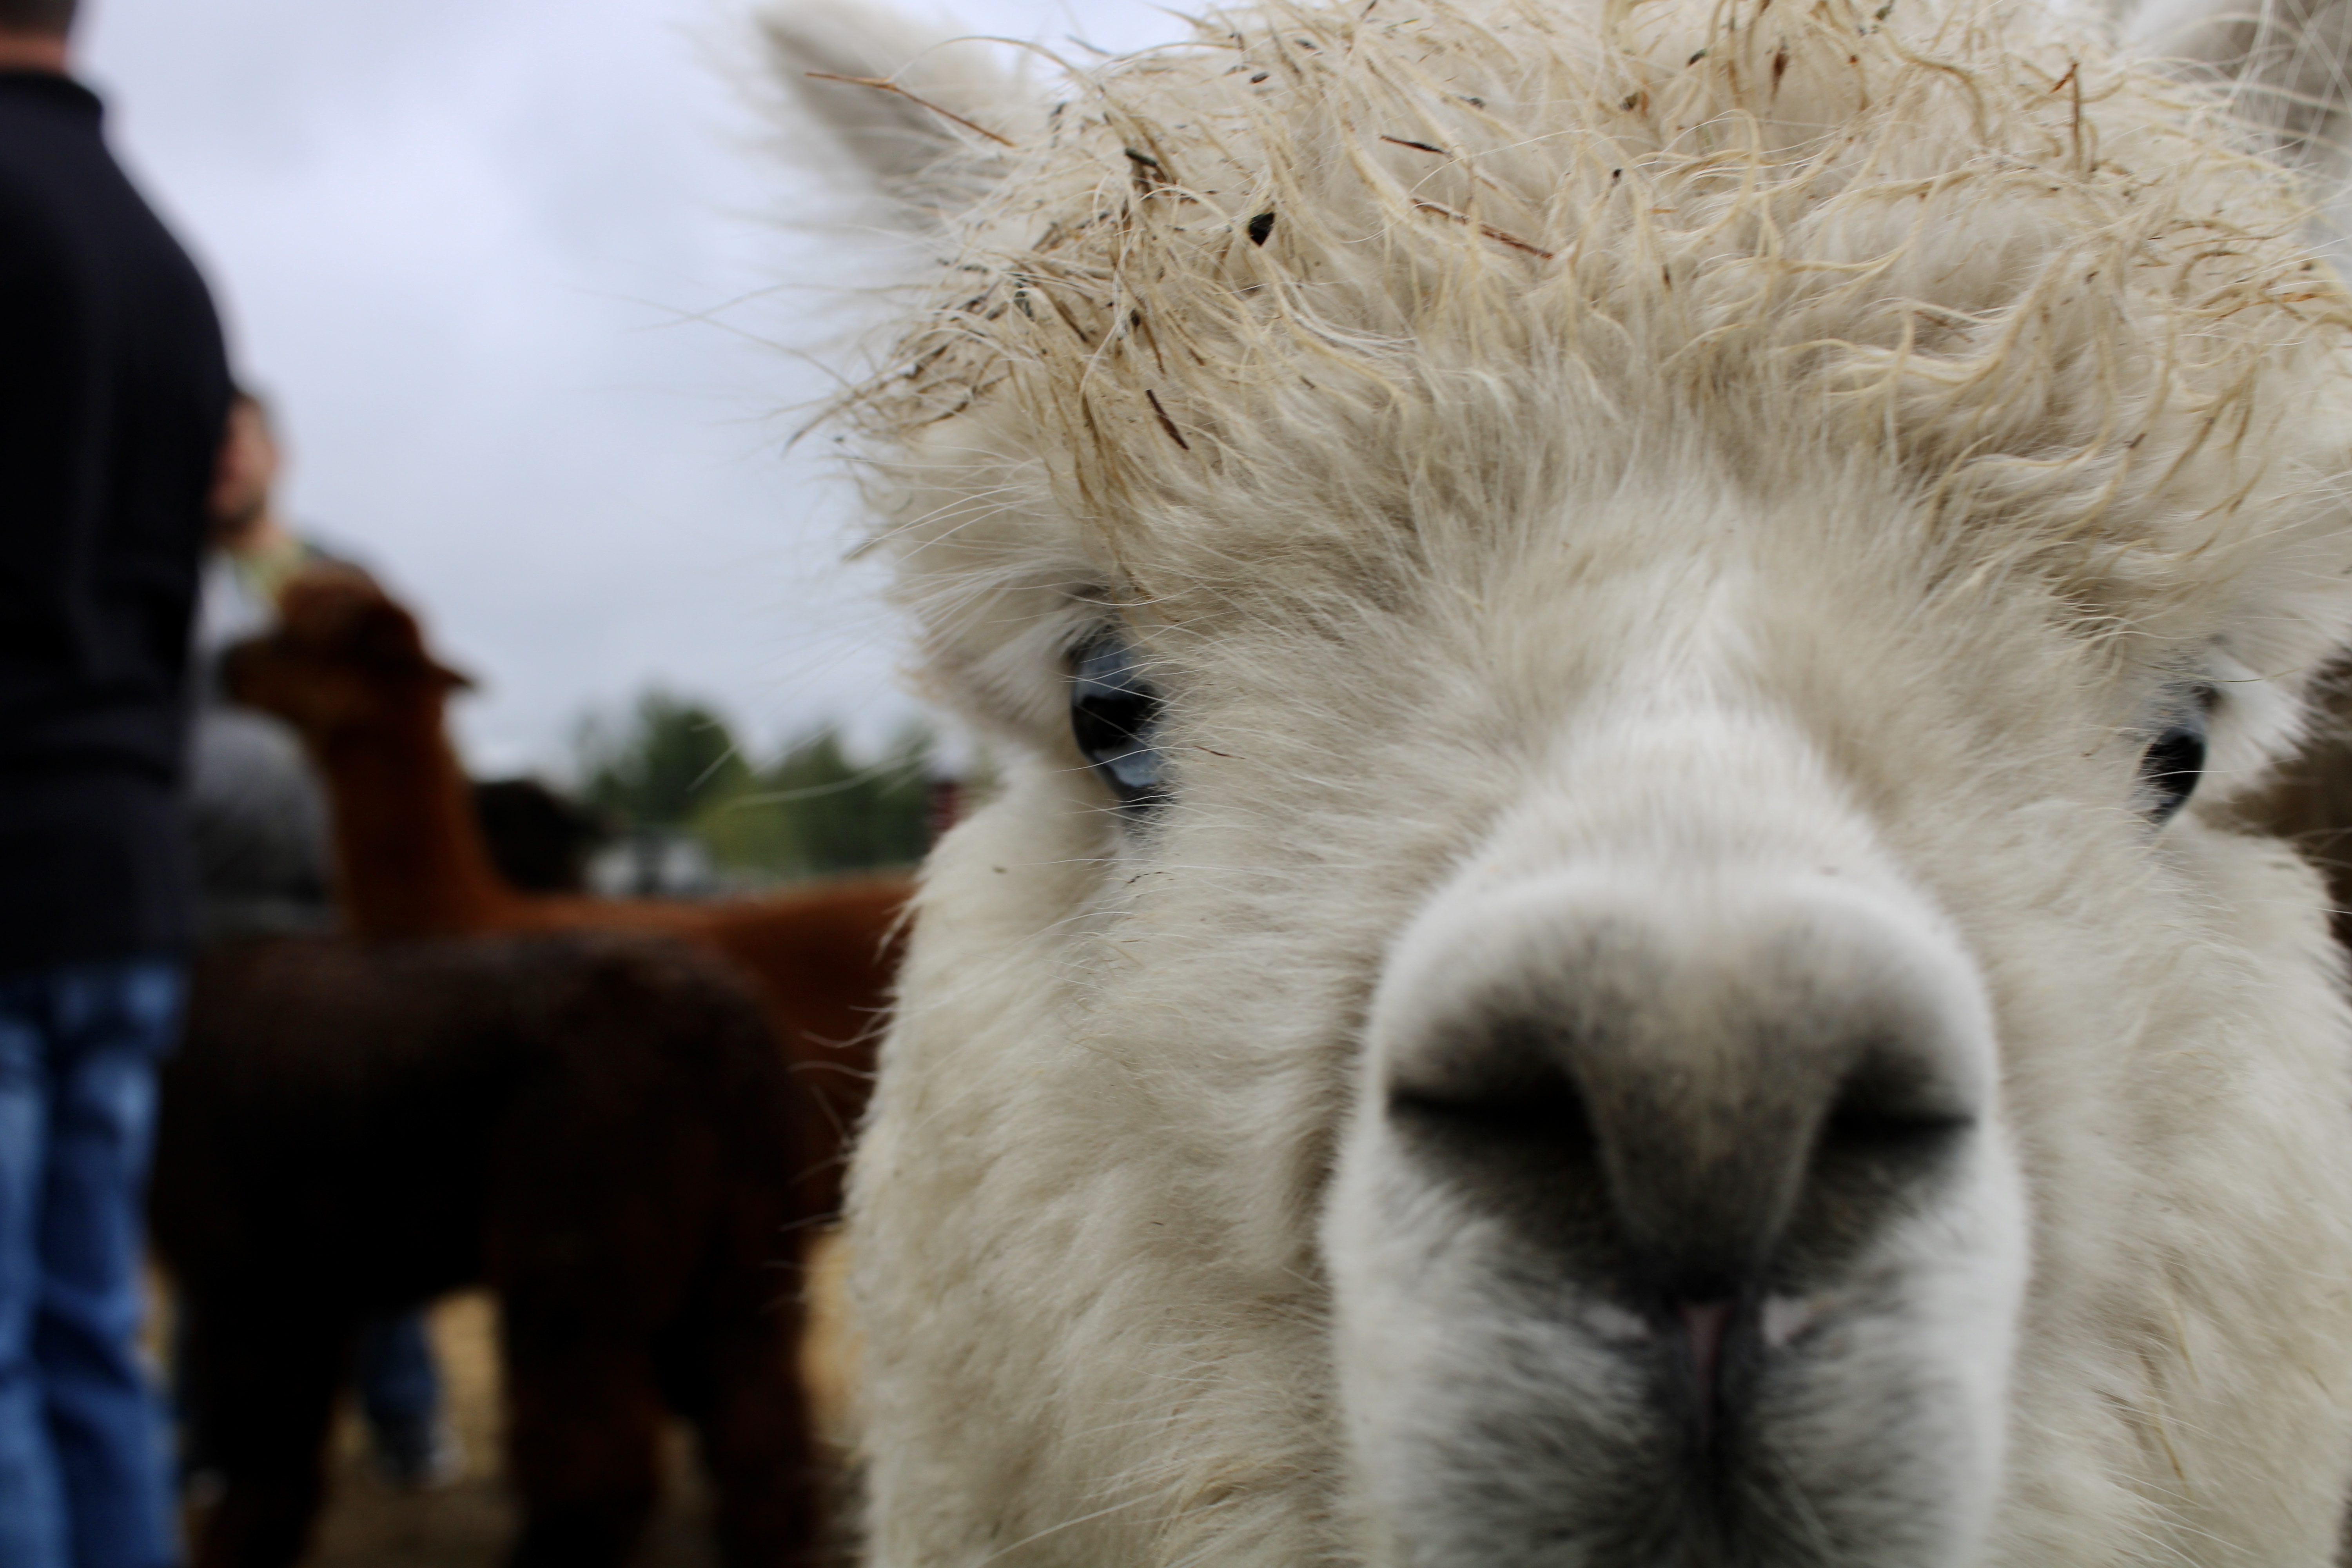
470	1522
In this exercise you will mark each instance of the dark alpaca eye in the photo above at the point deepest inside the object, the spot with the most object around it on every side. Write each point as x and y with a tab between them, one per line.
1113	712
2170	767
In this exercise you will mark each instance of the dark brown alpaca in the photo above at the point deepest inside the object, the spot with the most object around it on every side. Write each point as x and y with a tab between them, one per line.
2310	803
348	668
598	1127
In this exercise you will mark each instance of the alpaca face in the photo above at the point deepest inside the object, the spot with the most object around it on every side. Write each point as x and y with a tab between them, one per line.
1571	1065
1674	1218
1613	940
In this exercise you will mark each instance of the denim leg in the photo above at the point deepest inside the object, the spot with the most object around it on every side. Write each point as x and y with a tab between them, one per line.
112	1024
399	1390
32	1505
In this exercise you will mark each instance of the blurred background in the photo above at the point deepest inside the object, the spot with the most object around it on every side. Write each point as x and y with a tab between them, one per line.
537	290
537	293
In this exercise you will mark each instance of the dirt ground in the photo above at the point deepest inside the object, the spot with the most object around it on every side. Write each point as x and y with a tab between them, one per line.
470	1522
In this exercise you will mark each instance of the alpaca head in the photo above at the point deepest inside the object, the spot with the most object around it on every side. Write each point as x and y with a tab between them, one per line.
343	659
1613	940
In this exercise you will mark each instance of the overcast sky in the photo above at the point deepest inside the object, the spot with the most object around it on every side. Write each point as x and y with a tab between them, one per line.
522	289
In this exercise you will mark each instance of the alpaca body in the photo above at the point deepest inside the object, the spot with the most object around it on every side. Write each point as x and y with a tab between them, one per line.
350	671
595	1127
1614	939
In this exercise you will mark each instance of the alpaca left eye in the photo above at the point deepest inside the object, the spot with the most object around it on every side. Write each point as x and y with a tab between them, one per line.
2174	761
1114	711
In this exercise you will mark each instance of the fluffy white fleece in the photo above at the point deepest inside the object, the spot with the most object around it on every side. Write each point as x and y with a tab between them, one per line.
1419	384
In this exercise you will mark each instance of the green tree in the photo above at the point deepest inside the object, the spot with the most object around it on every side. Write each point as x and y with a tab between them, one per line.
668	762
816	811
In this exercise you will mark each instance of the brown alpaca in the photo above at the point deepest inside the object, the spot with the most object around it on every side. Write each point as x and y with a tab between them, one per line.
2310	801
349	670
594	1125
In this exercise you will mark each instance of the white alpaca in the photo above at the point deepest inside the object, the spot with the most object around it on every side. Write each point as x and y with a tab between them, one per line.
1588	959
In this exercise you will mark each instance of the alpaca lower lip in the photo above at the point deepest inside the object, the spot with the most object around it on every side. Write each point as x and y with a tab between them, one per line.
1704	1325
1697	1338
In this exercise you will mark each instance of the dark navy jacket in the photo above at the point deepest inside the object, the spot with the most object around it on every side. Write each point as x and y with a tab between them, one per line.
113	398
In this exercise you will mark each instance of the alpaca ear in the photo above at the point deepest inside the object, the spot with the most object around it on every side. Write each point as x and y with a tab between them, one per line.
2285	60
385	637
900	96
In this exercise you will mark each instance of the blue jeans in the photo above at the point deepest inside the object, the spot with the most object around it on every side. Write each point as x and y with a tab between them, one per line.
82	1456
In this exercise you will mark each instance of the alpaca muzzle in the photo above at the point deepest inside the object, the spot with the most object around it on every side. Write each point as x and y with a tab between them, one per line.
1686	1134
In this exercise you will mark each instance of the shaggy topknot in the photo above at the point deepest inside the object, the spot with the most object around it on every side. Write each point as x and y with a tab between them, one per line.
2044	276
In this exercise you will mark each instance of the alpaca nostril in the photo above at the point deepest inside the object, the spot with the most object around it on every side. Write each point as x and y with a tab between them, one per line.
1888	1109
1521	1141
1528	1108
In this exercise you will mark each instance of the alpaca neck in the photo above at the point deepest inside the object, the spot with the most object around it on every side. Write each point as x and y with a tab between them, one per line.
408	848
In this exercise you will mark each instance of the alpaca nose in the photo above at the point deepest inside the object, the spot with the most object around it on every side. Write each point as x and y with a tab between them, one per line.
1689	1106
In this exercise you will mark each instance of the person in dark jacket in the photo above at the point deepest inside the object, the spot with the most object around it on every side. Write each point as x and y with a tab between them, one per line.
114	391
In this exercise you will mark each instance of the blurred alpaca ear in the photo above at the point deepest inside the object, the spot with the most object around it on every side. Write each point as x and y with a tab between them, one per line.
900	97
386	637
2285	60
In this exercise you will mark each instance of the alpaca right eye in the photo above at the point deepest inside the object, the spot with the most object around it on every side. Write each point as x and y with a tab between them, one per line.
1113	712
